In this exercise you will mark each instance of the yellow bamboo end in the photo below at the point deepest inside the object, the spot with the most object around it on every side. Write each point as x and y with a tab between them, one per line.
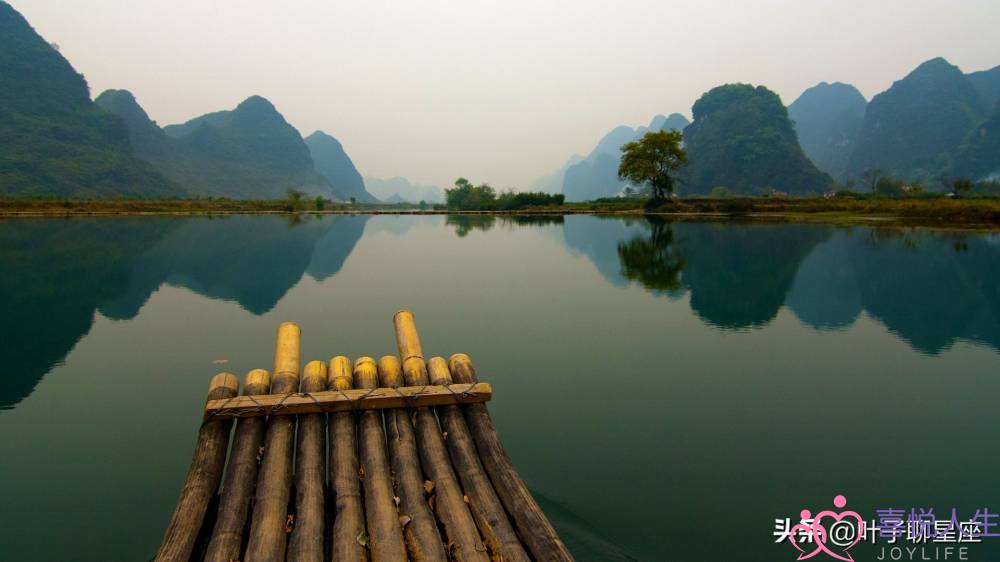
461	368
390	372
314	377
437	368
287	350
224	380
406	336
341	374
365	373
257	381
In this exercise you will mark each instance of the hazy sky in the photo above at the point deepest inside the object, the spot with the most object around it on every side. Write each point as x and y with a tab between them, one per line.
495	91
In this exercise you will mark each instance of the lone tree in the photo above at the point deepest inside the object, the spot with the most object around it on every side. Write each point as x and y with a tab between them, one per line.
961	187
872	177
653	161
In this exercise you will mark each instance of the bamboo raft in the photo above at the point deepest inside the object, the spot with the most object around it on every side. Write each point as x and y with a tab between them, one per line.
390	460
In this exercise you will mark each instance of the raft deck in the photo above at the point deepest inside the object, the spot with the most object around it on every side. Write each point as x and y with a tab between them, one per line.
390	460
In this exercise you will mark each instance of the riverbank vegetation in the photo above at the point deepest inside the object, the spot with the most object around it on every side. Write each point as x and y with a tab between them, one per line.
940	211
468	197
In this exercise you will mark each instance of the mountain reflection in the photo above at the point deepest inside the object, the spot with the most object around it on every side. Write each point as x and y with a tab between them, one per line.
929	288
53	275
739	275
57	273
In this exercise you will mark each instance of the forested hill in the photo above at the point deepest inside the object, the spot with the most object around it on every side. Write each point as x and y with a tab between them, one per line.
250	152
912	129
54	141
743	140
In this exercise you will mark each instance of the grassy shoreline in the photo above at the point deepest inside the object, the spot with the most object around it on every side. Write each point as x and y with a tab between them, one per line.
968	213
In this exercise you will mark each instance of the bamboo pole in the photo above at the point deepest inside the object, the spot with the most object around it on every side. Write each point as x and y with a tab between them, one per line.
421	532
463	538
306	543
241	475
349	518
268	527
202	479
483	501
385	535
533	527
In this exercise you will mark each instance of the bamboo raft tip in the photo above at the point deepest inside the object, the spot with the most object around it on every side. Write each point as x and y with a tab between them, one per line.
459	359
258	377
224	380
416	467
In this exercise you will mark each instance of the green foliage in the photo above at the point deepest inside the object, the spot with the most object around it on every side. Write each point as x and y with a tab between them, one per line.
53	139
961	187
468	197
320	203
720	192
511	201
880	184
652	161
889	186
742	138
296	200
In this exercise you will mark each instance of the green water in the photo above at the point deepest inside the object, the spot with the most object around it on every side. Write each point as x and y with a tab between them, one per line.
689	383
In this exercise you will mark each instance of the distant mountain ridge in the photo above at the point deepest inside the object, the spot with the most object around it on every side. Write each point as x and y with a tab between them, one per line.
404	190
596	175
53	140
333	163
828	119
250	152
553	181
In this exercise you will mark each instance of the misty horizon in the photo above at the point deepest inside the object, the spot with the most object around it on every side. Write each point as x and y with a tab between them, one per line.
498	94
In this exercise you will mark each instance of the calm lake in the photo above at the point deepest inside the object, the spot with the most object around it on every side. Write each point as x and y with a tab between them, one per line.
666	390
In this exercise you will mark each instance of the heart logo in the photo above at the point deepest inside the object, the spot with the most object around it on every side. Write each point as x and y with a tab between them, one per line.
835	518
820	534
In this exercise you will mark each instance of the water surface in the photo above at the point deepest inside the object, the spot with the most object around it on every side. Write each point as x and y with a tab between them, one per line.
666	390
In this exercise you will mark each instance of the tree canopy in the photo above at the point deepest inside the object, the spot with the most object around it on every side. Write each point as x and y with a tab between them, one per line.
653	160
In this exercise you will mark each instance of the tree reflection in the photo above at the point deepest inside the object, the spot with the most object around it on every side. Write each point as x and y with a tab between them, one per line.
653	260
464	224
